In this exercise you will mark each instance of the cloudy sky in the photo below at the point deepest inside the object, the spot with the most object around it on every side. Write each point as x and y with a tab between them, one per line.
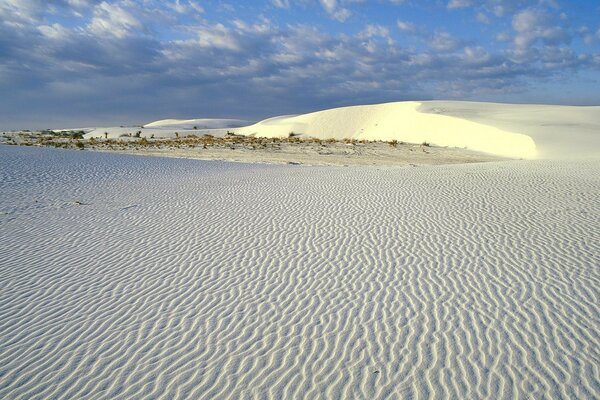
71	63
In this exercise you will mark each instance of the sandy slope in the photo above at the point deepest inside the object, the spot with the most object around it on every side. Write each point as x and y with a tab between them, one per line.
143	277
565	132
401	121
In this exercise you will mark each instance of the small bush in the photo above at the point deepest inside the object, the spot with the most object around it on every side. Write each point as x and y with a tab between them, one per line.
79	145
77	134
425	144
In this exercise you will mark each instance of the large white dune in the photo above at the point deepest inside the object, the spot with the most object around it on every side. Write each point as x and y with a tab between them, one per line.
519	131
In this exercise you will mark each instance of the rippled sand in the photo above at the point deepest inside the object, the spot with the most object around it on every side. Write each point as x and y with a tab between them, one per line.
143	277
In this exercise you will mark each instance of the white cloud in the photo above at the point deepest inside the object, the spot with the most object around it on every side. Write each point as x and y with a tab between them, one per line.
476	55
111	19
454	4
444	41
217	36
373	31
281	3
406	26
261	28
336	12
533	24
187	7
19	12
54	31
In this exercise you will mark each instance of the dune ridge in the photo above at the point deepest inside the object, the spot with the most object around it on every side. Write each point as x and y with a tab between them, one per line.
131	277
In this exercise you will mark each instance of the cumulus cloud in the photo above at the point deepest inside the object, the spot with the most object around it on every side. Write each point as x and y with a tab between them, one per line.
533	24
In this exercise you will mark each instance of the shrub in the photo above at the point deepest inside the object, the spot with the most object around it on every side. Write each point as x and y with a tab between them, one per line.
77	134
425	144
79	145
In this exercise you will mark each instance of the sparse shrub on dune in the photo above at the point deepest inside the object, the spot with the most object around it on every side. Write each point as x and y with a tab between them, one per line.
77	134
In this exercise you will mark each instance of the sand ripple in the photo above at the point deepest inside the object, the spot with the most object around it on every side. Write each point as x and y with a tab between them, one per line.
138	277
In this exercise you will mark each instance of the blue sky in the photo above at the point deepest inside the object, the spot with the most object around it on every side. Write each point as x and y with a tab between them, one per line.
67	63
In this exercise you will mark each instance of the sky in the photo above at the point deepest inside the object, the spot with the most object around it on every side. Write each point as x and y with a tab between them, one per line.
78	63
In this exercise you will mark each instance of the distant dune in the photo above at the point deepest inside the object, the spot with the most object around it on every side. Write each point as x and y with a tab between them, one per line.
199	123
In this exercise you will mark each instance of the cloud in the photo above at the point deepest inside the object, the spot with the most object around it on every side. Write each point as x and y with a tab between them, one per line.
454	4
534	24
111	19
281	3
185	7
406	26
444	41
332	8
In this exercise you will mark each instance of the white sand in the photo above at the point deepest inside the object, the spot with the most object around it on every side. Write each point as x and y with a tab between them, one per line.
401	121
506	130
145	277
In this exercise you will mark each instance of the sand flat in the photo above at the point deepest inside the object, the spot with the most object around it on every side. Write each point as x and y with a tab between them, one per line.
131	277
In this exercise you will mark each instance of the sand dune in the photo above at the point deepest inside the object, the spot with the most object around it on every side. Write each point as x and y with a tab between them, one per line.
507	130
200	123
399	121
143	277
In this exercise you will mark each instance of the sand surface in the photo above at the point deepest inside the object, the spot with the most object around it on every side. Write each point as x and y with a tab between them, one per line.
145	277
310	153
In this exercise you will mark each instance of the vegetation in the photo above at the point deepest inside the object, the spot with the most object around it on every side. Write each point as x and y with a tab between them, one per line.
75	139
